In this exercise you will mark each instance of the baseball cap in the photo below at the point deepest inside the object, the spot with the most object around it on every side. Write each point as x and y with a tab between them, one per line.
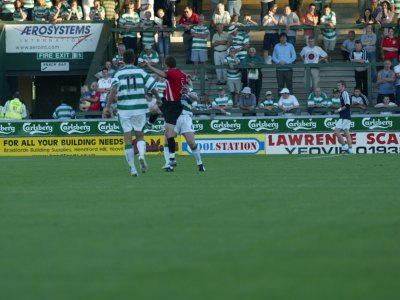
284	91
268	93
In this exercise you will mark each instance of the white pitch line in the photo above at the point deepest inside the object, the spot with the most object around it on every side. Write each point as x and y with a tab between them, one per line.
325	156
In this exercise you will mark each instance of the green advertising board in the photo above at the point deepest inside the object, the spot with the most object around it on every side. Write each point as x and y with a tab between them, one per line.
202	126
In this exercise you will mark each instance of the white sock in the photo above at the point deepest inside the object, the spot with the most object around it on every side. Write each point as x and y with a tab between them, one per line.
130	156
141	146
171	155
196	154
166	154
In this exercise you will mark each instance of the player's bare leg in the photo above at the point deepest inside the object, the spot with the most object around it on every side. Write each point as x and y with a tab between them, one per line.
190	139
129	154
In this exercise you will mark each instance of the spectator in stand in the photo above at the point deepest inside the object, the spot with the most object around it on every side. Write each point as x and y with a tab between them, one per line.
110	7
358	99
84	102
129	21
348	45
311	19
329	33
312	54
233	75
221	41
188	20
14	109
74	12
271	37
316	99
397	83
40	11
20	13
108	66
375	8
266	6
57	11
220	16
287	103
104	87
148	56
254	74
390	47
241	43
284	54
147	36
368	40
118	59
359	55
7	10
197	5
94	98
49	4
334	102
29	5
366	18
86	5
164	37
64	112
386	103
295	6
385	16
385	81
97	12
169	8
247	21
289	19
223	101
233	7
146	5
397	7
200	35
269	102
247	100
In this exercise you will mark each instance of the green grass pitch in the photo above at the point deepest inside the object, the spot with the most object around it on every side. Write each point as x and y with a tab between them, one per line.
251	227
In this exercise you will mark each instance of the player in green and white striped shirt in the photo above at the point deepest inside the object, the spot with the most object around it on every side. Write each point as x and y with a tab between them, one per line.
200	35
64	112
129	84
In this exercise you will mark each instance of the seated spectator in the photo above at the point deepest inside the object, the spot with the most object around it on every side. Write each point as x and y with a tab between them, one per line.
334	102
64	112
220	16
385	81
233	75
271	37
104	87
287	103
268	103
289	19
358	99
118	59
164	37
84	102
148	56
97	12
254	74
390	46
233	7
223	101
385	104
366	18
147	36
7	10
74	12
247	100
311	18
57	11
40	12
200	35
348	45
316	99
20	13
129	21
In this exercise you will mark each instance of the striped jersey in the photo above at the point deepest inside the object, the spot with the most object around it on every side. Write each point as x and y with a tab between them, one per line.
232	73
187	102
17	15
329	33
8	6
200	43
130	19
225	100
131	82
74	15
345	99
313	99
268	103
334	101
64	112
148	36
40	13
153	57
161	86
48	4
53	11
397	6
29	3
239	41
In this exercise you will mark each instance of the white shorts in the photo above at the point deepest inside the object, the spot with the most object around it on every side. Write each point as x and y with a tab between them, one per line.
135	123
184	124
343	124
151	103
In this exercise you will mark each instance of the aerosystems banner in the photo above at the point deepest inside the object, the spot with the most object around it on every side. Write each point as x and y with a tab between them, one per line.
326	143
31	128
34	38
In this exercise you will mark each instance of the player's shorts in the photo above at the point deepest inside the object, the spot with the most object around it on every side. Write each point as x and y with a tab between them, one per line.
199	55
234	85
329	45
343	124
135	123
184	124
171	111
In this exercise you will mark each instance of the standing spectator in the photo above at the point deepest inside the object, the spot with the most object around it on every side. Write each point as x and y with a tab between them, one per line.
397	83
271	37
241	43
348	45
221	42
104	86
368	40
233	75
266	6
200	35
233	7
97	12
358	99
295	6
164	37
110	7
254	74
40	11
284	54
390	47
20	13
316	99
168	7
289	19
7	10
375	8
14	109
146	5
108	66
188	20
118	59
385	16
64	112
385	81
287	103
147	35
129	21
247	100
312	54
220	16
29	5
86	5
74	12
329	33
311	19
359	55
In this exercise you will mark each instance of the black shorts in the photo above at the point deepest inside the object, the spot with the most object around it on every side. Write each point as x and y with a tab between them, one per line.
171	110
